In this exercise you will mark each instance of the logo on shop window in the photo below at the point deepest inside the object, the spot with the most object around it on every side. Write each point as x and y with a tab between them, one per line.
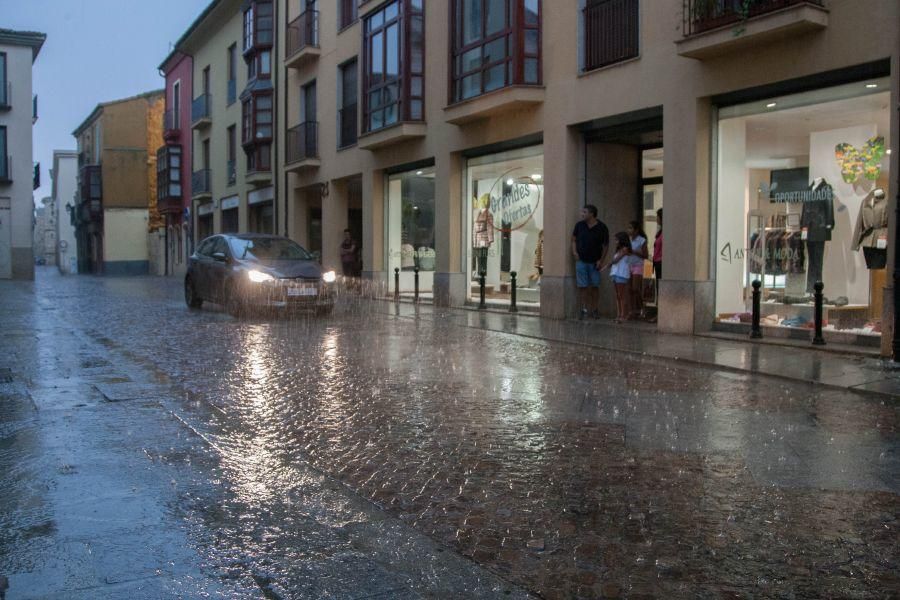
514	199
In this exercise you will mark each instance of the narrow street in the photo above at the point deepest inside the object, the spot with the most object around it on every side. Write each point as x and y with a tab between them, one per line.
150	451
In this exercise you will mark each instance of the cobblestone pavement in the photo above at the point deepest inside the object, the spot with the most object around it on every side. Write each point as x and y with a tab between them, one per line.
557	469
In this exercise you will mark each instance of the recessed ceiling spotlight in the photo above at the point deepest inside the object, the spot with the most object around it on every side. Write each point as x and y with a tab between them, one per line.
537	176
419	172
771	105
871	86
509	181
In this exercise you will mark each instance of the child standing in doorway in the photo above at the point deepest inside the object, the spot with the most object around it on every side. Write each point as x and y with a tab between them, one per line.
638	256
620	272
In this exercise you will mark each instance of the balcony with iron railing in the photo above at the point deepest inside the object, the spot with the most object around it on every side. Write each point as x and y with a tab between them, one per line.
302	147
611	32
171	125
5	169
349	126
201	184
715	27
302	39
201	111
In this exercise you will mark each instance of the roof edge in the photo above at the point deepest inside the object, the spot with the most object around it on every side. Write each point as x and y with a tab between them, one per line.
34	39
99	108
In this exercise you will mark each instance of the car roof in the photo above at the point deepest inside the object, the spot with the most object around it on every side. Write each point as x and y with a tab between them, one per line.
253	236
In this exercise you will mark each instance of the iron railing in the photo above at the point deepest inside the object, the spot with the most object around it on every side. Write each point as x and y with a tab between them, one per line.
348	125
611	32
201	108
302	32
704	15
303	141
201	182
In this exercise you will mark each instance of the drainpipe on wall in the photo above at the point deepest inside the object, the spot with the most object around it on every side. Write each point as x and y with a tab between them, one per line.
276	51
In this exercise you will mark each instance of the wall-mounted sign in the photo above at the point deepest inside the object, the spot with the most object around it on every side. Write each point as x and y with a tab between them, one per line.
205	209
261	195
857	162
230	202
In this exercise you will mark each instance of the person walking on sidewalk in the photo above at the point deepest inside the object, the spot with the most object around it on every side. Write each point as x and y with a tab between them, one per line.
590	240
620	273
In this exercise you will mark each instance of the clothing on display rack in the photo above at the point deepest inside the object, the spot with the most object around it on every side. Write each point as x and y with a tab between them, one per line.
783	253
871	231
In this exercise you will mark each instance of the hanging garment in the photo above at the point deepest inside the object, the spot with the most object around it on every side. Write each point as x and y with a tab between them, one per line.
483	229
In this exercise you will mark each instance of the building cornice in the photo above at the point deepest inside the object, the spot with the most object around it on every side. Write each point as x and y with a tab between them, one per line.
34	39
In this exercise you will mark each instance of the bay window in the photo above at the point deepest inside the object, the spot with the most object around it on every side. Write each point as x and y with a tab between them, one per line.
258	25
394	65
168	173
257	130
495	44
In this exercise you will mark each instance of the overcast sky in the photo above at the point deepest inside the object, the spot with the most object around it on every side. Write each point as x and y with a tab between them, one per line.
96	51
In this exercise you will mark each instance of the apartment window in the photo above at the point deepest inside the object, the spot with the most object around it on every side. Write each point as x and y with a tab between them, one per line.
348	106
496	43
347	13
258	25
4	159
232	73
611	32
4	85
394	59
168	172
176	104
232	154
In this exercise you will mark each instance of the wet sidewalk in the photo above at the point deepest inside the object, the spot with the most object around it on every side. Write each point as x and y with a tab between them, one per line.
827	368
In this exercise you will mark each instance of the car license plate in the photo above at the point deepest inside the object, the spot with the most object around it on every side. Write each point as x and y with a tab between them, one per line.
302	291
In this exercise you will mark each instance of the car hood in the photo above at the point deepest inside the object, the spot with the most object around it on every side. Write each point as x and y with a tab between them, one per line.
287	269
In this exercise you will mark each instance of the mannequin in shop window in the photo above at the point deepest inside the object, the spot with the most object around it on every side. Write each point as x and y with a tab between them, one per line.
816	223
482	233
872	229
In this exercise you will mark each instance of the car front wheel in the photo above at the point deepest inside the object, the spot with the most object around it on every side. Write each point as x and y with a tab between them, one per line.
190	294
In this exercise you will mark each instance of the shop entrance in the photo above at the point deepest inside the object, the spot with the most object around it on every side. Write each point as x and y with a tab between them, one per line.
624	180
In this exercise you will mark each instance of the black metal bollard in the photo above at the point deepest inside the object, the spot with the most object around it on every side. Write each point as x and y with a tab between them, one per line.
481	281
512	297
818	340
755	329
416	285
396	285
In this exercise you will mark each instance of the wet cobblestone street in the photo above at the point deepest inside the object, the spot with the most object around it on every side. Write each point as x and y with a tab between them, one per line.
375	455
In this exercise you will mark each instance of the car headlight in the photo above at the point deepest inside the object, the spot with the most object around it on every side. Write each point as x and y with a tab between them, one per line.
329	277
259	277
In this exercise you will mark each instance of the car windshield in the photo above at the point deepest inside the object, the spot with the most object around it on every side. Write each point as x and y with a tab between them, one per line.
268	249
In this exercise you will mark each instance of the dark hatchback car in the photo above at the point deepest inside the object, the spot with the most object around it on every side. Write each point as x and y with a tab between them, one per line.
257	271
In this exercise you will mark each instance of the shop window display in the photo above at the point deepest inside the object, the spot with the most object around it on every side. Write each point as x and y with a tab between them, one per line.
801	198
506	220
410	228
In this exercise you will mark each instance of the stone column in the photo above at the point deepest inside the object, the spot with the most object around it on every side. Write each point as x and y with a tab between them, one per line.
562	202
334	221
373	226
449	276
686	292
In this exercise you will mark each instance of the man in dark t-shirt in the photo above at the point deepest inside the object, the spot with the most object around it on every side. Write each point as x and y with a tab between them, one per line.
590	239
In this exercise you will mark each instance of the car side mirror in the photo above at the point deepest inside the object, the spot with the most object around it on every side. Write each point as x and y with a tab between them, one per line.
220	257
